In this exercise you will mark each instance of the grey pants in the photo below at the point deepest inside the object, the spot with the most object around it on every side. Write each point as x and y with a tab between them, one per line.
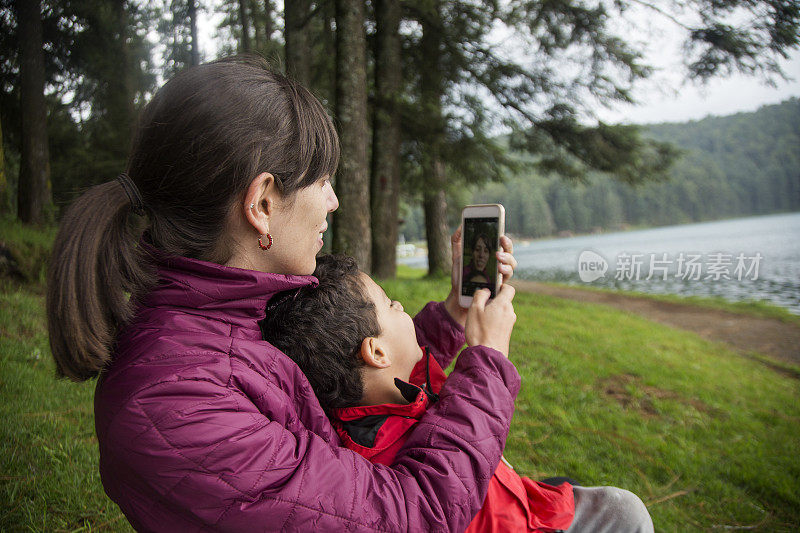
609	509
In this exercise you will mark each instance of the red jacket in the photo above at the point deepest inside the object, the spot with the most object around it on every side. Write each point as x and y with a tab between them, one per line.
513	503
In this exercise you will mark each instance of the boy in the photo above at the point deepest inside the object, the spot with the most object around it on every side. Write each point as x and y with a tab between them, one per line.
375	382
359	351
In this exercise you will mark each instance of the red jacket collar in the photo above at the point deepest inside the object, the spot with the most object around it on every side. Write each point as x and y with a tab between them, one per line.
416	408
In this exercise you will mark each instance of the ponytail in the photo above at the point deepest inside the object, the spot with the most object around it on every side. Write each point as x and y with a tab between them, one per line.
95	264
200	141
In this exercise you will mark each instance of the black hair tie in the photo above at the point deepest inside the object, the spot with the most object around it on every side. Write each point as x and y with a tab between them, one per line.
137	205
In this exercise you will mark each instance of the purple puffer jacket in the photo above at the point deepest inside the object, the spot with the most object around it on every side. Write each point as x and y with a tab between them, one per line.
204	426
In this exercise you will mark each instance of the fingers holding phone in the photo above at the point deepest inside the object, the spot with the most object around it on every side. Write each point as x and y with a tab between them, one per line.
505	258
452	303
457	250
490	322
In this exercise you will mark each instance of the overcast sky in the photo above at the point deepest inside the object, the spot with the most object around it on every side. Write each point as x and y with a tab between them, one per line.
665	96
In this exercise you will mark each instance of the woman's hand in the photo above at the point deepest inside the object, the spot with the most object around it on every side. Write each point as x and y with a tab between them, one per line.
458	313
505	264
505	259
490	324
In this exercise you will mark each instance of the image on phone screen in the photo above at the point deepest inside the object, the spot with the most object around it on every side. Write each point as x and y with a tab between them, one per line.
480	263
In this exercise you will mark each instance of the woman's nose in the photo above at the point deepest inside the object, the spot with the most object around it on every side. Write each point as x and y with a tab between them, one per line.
333	201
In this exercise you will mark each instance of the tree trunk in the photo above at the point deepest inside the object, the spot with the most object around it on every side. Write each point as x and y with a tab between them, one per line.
385	190
436	231
257	28
245	22
298	47
325	84
193	23
5	203
121	111
352	220
34	175
434	199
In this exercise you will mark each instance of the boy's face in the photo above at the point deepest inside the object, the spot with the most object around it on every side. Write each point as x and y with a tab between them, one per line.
398	335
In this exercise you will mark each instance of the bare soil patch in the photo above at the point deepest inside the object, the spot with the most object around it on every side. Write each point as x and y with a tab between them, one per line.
621	387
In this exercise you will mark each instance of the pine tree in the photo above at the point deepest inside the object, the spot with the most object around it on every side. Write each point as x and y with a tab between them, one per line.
297	15
244	21
34	178
351	222
5	193
385	190
434	200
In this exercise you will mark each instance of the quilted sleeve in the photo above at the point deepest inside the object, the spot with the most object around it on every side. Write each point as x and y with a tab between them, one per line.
211	460
437	330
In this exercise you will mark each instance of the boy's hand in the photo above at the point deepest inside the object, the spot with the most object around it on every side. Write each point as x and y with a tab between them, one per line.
490	324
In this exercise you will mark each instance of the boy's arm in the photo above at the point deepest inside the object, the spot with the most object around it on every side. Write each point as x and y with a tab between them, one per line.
216	461
437	330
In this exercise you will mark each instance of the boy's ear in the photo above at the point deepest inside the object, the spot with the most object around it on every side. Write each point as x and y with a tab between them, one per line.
373	354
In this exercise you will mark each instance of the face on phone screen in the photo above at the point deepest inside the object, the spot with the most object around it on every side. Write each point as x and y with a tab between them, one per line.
480	263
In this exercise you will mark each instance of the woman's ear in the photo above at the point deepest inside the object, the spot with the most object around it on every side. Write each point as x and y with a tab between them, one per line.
260	200
373	354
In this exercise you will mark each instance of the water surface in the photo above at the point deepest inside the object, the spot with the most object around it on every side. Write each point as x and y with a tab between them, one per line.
719	245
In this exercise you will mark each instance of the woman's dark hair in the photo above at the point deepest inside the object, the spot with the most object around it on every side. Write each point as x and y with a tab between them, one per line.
200	142
321	329
482	237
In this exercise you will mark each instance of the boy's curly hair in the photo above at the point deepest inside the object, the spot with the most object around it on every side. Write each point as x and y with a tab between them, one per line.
321	329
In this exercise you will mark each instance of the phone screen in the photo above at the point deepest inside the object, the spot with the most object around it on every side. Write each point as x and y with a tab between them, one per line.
480	262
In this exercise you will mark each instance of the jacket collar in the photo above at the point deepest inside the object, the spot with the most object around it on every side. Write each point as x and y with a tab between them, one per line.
233	295
419	397
415	409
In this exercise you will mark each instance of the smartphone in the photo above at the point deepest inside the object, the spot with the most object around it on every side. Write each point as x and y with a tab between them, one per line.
482	226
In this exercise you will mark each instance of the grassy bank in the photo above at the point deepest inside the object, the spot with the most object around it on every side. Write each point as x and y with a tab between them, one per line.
708	439
48	450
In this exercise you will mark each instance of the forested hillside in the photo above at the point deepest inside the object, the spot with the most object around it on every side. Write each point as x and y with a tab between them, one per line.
738	165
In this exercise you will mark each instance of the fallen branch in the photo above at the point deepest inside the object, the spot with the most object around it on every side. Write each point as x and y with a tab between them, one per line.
669	497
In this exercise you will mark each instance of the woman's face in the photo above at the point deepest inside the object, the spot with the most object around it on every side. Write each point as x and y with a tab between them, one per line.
480	254
297	228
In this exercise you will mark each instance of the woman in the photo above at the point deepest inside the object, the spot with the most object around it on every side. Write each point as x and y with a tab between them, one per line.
200	423
475	271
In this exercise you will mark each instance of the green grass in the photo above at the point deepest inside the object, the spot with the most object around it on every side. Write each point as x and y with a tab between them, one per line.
707	438
30	247
48	450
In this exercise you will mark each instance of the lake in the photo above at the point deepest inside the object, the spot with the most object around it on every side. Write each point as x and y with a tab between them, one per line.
753	258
